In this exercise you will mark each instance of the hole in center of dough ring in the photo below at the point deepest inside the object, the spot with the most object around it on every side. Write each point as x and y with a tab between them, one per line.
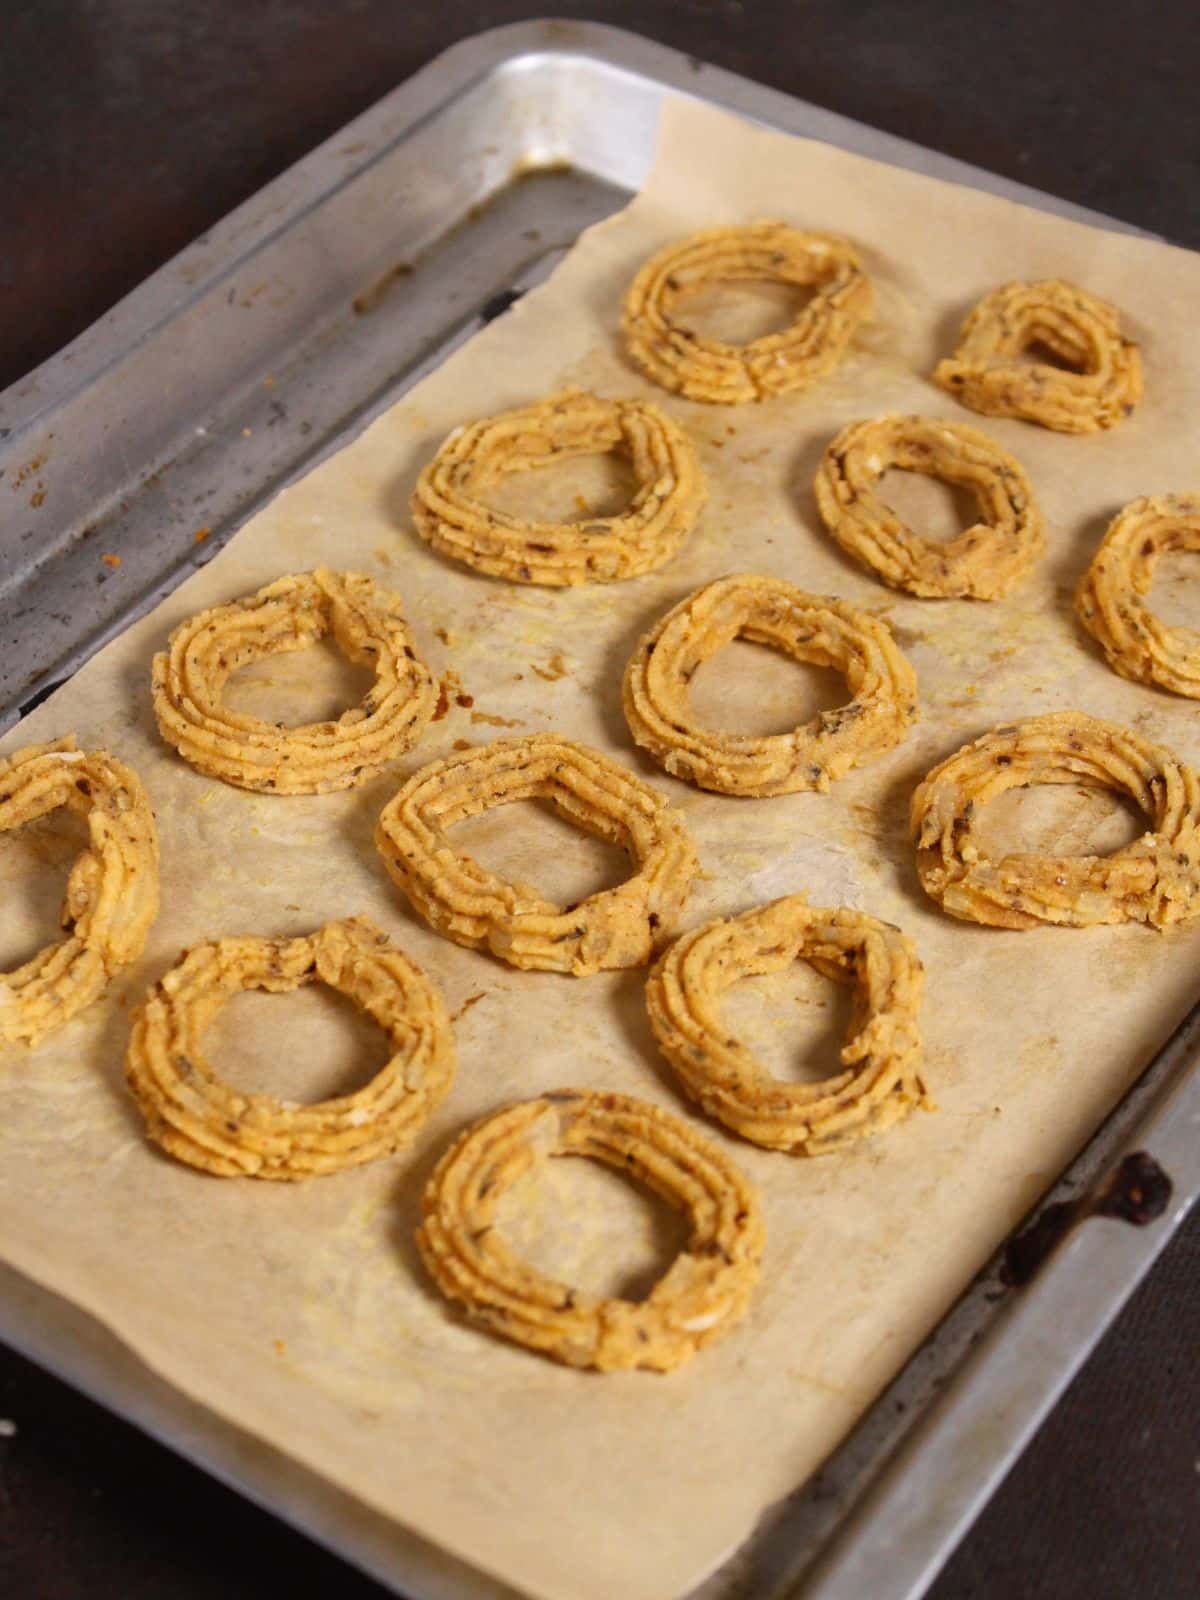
449	514
366	623
198	1118
1156	879
807	627
670	354
703	1292
880	1082
617	927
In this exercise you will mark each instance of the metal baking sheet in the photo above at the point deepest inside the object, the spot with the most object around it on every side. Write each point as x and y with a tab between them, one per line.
239	365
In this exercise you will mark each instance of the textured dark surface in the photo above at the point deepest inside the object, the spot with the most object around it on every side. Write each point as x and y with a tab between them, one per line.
126	128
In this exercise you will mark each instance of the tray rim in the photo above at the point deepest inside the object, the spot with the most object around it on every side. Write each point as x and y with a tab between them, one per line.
1107	1254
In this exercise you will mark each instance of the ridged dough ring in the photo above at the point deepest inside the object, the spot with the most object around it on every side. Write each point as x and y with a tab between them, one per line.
985	561
617	927
367	625
704	1291
881	1058
670	354
450	516
806	627
985	374
112	890
1111	602
1156	879
199	1119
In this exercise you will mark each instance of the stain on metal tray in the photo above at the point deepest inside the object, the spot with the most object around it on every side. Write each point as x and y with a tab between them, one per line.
1138	1193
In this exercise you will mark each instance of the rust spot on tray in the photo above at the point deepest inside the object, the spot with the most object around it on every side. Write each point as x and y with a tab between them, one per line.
23	474
1138	1193
367	301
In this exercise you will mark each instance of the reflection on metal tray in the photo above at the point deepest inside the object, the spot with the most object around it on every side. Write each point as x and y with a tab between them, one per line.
238	366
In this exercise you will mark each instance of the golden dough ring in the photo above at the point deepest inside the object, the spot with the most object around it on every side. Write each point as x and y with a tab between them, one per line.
672	355
1156	879
450	516
806	627
199	1119
704	1291
985	561
112	891
368	627
617	927
985	374
1110	598
881	1080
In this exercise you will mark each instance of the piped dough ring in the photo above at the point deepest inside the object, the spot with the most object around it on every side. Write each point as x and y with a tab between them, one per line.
671	355
1156	879
881	1080
112	891
985	561
1111	602
450	516
704	1291
617	927
367	624
199	1119
985	374
806	627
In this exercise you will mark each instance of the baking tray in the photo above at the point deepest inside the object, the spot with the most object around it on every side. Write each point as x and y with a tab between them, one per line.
263	348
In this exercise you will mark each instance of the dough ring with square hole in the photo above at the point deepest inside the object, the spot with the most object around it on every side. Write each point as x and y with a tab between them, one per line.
670	354
986	375
880	1082
199	1119
1111	601
804	626
617	927
1156	879
704	1291
983	562
367	625
112	891
450	516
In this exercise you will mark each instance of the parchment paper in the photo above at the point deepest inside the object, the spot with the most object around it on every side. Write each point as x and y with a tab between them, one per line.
301	1313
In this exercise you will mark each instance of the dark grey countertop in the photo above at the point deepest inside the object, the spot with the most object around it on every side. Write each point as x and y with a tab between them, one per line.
125	130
